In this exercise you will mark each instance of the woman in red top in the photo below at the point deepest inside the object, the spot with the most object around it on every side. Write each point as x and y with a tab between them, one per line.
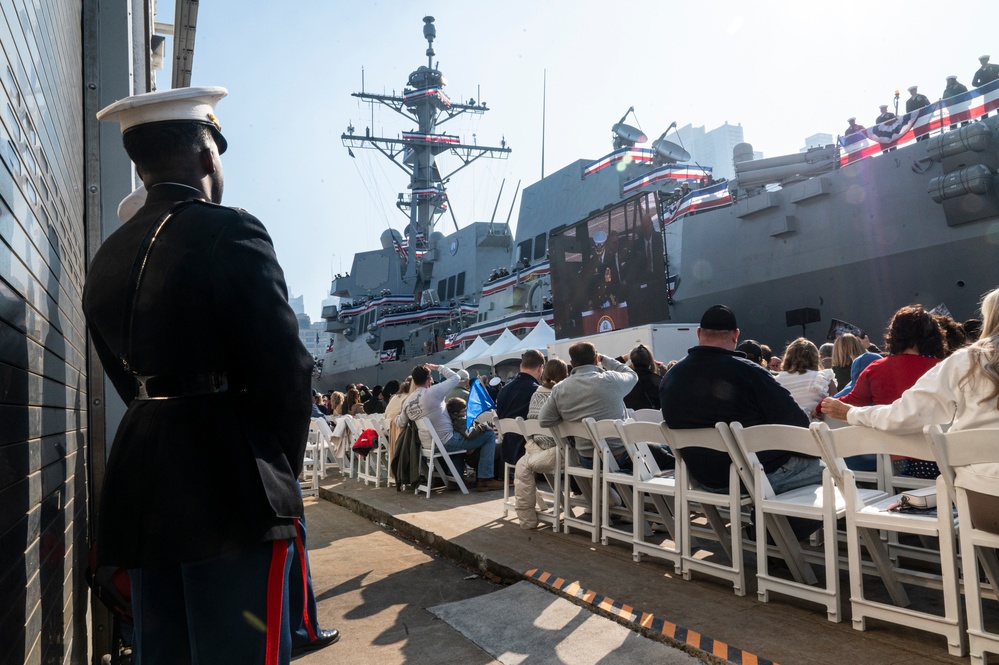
915	344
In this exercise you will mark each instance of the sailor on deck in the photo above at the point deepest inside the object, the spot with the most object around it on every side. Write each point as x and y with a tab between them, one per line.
179	303
915	102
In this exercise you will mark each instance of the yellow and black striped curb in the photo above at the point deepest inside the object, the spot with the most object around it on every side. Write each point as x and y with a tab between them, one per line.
647	621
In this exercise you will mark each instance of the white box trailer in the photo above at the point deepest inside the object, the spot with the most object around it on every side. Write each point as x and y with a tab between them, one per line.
668	341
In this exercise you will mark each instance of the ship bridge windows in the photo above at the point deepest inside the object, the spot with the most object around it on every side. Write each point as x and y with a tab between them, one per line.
532	249
451	287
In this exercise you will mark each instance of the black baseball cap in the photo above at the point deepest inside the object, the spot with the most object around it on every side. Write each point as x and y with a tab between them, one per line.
718	317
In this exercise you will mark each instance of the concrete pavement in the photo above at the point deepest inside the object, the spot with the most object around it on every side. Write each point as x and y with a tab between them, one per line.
358	577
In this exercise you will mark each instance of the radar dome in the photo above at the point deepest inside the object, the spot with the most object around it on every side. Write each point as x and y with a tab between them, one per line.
435	238
388	235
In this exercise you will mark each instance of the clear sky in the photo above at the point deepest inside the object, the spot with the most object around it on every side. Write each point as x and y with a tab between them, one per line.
783	70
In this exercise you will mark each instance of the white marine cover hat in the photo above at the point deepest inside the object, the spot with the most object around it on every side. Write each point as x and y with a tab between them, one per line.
912	87
179	104
131	203
983	58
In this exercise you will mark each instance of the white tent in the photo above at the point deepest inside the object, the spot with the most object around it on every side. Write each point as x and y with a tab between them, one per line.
475	349
502	344
538	339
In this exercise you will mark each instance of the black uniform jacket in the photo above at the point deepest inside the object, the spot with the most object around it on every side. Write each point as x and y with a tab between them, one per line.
198	476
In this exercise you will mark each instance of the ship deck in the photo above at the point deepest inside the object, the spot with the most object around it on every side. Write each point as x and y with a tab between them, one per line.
701	616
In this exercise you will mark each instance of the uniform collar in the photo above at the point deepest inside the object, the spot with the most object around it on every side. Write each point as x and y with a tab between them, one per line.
173	191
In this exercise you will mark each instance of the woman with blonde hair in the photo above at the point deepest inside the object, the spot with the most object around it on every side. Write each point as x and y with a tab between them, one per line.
539	455
802	377
963	391
846	348
336	401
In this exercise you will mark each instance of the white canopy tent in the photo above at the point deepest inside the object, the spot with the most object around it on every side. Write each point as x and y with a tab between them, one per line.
538	339
502	344
475	349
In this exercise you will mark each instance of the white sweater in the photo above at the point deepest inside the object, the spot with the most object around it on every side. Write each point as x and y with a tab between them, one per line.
938	398
807	389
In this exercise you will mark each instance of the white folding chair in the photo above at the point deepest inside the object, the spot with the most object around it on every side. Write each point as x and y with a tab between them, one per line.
865	521
434	457
549	503
310	465
588	481
371	467
693	493
978	547
655	493
647	415
822	502
350	459
613	480
506	426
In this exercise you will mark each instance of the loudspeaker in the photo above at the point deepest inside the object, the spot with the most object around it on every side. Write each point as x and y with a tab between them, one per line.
803	316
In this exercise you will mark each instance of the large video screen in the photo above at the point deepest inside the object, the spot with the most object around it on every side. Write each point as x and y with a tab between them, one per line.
608	271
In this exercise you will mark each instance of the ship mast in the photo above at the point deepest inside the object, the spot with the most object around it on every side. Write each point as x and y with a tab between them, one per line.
423	101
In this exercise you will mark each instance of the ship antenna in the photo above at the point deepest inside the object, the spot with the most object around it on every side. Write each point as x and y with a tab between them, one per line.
498	197
430	32
515	192
544	109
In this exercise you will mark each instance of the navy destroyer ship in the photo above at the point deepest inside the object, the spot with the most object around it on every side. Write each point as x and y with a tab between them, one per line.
843	234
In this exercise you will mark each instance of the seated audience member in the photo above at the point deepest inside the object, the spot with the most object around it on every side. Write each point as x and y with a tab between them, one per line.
972	328
514	400
376	403
775	364
645	394
336	402
352	403
752	350
962	391
715	383
390	389
392	410
595	388
915	344
539	451
317	412
802	377
846	349
825	355
457	410
953	332
427	401
461	389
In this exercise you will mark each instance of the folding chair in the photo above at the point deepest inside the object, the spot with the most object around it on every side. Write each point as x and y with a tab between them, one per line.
655	493
864	522
549	504
613	520
816	502
647	415
588	481
434	456
310	465
732	502
372	467
978	547
506	426
344	435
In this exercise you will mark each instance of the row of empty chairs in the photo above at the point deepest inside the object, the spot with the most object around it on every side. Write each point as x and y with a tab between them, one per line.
670	512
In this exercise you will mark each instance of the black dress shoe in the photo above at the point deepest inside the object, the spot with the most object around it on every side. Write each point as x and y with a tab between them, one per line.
324	638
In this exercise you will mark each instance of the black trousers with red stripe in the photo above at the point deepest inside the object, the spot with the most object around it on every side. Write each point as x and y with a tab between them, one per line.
230	609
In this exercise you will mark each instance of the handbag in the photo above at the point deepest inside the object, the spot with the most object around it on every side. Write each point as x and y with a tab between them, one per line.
920	499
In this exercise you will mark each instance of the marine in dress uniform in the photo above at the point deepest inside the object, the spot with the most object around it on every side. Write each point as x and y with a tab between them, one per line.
188	311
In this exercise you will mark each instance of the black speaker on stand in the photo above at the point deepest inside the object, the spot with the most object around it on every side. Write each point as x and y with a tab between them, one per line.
802	317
